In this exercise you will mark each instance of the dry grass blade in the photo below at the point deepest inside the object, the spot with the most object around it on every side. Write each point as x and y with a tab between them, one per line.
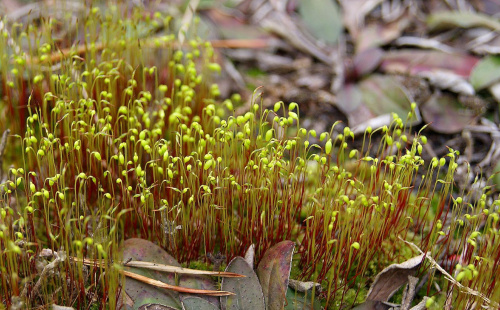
173	287
159	283
167	268
491	304
180	270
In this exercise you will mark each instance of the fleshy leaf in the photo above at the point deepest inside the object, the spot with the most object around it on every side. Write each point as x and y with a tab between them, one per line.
322	18
142	293
248	290
199	282
155	307
197	303
446	114
274	271
486	72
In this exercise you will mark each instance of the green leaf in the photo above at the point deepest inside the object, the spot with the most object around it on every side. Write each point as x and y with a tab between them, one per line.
322	18
248	290
274	271
374	96
142	293
486	72
197	303
463	19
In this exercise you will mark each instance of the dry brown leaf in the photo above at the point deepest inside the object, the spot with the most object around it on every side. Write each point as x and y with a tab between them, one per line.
389	280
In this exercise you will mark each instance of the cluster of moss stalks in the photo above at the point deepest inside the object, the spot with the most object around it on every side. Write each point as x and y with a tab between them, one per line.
123	136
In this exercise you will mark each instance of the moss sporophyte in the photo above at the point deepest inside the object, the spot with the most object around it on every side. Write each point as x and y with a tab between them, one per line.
116	132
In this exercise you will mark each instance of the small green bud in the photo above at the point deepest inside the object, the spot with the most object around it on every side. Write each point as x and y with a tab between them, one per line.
328	146
442	162
277	106
269	134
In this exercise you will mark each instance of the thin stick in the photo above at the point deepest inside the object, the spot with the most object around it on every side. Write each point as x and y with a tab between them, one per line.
448	277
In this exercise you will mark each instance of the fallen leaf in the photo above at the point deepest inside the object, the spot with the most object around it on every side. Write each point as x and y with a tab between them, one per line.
373	305
355	12
389	280
322	18
463	19
486	72
365	62
302	287
446	114
250	255
378	33
414	61
376	96
273	272
449	81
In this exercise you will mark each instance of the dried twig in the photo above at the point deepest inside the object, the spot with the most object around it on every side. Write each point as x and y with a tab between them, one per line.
409	293
491	304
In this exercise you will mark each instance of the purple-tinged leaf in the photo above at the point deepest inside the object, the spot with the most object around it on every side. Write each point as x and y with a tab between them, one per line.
374	96
413	61
274	271
446	114
365	62
197	303
248	290
142	293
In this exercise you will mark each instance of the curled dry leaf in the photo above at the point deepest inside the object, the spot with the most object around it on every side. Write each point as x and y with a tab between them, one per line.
449	81
389	280
300	286
250	255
